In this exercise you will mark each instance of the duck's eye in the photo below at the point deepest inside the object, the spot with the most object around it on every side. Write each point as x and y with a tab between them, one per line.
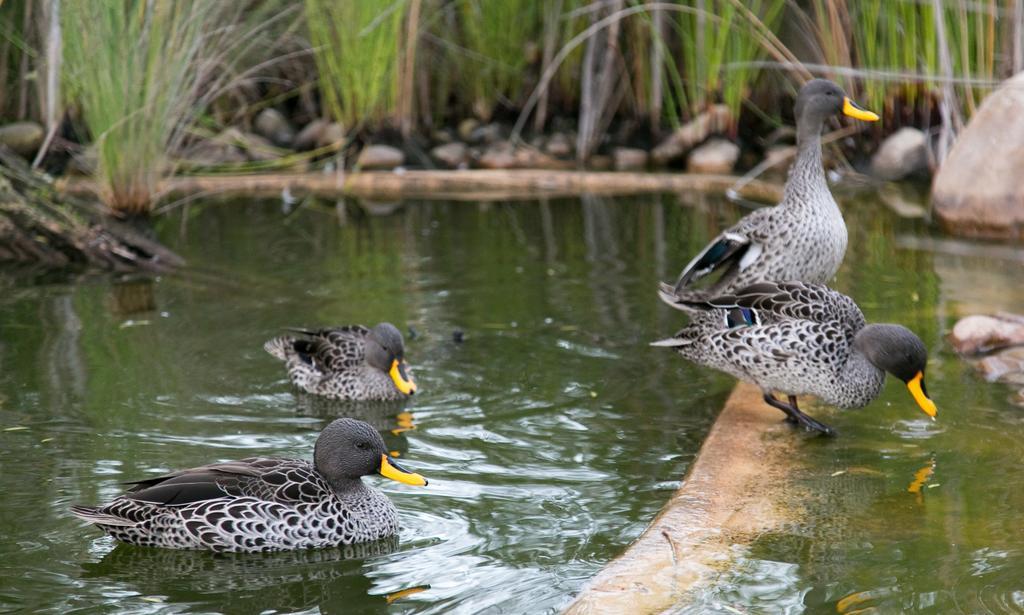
362	446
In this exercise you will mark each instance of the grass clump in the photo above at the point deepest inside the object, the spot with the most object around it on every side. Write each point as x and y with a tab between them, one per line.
357	48
142	72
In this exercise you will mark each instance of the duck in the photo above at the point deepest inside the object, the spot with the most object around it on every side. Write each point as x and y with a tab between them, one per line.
351	362
264	504
796	339
803	237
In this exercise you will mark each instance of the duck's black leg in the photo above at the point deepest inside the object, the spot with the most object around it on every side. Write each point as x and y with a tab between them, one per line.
794	415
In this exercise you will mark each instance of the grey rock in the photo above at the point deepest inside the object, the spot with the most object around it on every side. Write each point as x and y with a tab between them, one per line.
559	145
23	138
380	157
310	135
487	134
272	124
332	136
451	155
501	155
317	134
442	136
629	159
466	128
902	154
715	119
220	150
716	156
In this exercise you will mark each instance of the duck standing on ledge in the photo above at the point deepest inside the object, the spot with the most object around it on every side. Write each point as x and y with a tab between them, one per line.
800	339
350	363
804	236
264	504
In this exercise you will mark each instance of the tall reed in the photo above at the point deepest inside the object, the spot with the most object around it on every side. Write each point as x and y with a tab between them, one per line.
19	59
356	45
906	56
714	36
498	40
142	71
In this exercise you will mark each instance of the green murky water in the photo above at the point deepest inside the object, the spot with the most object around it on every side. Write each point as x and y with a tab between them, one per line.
551	435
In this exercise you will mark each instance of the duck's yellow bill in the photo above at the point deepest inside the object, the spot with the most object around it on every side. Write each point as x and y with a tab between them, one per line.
389	468
401	379
405	593
916	386
856	112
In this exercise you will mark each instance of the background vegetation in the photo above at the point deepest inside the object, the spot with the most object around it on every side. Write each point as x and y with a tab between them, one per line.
141	79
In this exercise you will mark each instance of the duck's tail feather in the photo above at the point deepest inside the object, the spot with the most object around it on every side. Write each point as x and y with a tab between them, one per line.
689	301
672	342
279	347
94	515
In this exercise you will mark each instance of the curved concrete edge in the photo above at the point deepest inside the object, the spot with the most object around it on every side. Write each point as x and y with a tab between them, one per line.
472	185
736	489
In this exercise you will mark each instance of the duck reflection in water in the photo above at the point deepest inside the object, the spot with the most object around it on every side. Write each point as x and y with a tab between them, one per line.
288	581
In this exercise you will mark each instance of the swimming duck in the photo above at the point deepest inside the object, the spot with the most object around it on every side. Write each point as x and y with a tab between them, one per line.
350	362
804	236
800	339
264	504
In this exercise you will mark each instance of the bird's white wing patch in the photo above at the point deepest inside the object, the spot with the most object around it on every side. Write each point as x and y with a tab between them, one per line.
751	255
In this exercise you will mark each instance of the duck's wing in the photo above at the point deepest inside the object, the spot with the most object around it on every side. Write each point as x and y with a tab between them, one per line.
334	349
770	301
287	481
738	247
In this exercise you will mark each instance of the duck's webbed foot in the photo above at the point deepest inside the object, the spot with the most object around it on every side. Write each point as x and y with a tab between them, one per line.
796	417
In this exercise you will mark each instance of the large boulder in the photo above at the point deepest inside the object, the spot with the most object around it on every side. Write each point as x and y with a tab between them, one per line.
978	190
903	154
23	138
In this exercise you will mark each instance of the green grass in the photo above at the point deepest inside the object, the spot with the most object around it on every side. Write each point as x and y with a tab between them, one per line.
497	38
141	72
356	45
710	40
905	38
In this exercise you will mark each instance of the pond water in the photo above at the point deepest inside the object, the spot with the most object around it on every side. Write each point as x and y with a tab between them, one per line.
551	434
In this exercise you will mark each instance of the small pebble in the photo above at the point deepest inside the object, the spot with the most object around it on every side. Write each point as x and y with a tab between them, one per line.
458	336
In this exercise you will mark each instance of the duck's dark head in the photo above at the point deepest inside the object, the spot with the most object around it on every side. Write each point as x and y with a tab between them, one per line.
897	350
349	449
385	350
820	99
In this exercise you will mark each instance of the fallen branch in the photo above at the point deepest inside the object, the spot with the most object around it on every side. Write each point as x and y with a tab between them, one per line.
451	185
